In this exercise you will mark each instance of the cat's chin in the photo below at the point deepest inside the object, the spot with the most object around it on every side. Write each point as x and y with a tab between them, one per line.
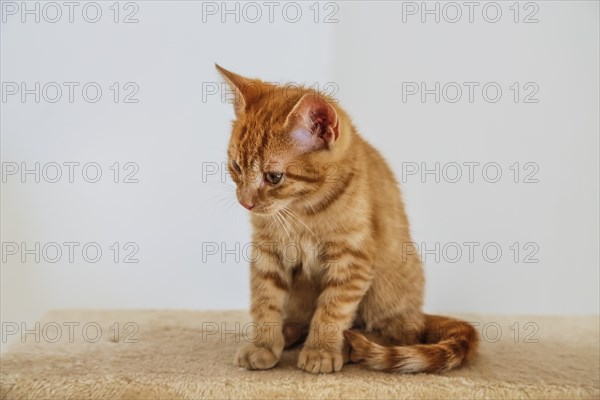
269	212
263	213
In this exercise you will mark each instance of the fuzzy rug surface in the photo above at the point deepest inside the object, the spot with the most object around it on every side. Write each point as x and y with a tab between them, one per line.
188	354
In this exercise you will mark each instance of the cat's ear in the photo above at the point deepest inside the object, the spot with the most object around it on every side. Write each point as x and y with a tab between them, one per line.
245	90
313	123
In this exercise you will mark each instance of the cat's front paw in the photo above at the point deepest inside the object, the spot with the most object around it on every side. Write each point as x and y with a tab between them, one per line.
320	361
253	357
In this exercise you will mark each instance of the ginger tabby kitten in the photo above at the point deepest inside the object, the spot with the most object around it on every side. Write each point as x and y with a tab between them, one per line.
329	229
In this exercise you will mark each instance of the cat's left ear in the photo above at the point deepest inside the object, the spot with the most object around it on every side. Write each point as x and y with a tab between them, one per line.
245	90
313	123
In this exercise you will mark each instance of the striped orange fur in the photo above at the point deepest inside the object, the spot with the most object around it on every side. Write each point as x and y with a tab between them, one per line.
329	266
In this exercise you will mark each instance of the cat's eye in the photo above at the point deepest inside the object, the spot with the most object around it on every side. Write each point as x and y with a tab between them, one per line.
273	177
236	166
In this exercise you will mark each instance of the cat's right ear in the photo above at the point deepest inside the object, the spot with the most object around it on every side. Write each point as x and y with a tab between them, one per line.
313	123
245	90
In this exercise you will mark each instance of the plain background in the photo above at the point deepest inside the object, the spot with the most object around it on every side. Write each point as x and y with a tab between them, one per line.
176	213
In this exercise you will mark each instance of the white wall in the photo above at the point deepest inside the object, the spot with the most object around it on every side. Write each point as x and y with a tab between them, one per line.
559	134
171	134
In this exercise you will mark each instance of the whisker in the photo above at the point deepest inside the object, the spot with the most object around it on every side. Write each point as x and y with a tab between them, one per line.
283	215
292	214
281	224
289	228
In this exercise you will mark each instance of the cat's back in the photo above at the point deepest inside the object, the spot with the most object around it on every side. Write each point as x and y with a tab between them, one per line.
382	187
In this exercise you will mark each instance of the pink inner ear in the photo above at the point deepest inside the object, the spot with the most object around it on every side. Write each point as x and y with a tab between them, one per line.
306	140
317	125
325	123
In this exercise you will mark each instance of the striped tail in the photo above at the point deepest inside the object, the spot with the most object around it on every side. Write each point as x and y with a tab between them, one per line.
447	343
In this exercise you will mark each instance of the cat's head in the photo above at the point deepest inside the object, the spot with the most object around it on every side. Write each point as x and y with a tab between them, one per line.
282	143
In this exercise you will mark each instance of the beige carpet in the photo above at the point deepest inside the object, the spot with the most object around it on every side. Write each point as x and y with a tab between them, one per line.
553	357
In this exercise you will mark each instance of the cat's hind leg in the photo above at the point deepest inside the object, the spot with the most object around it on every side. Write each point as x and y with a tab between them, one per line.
299	309
294	333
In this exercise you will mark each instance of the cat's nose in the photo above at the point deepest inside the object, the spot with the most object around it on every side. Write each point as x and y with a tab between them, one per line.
247	206
247	197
